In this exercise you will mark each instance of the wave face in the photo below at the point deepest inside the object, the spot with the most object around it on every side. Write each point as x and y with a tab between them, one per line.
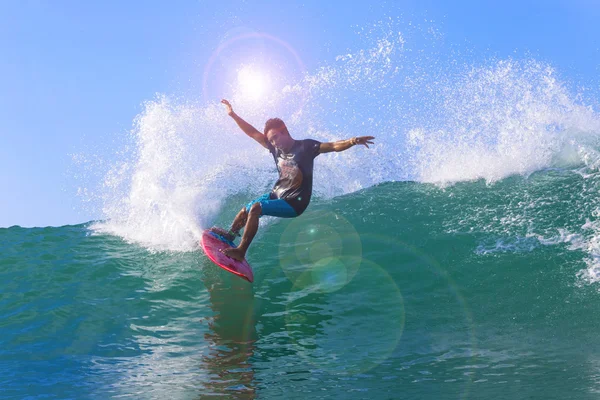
474	290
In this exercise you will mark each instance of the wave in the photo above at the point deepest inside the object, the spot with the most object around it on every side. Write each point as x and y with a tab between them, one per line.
435	119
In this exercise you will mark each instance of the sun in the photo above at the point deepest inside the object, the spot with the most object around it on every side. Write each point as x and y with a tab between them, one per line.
253	83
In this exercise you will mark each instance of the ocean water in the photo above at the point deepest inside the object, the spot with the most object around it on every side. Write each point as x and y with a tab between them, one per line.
458	258
401	290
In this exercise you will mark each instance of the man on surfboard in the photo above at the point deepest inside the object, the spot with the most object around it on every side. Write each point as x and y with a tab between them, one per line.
292	191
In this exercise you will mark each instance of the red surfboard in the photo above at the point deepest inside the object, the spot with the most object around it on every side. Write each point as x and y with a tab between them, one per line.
213	245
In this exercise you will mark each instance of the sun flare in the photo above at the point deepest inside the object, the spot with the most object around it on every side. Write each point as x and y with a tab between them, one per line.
253	84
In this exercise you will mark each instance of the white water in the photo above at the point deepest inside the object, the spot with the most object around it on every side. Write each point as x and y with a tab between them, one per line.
505	119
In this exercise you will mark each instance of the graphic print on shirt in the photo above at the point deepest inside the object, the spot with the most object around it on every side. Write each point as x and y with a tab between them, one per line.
290	174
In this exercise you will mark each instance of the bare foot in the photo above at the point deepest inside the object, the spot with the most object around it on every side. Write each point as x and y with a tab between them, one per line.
224	233
235	253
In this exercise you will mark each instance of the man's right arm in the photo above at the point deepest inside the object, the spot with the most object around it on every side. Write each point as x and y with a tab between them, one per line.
250	130
246	127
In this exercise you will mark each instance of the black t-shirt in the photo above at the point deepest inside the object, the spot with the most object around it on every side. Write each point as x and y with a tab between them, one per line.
295	173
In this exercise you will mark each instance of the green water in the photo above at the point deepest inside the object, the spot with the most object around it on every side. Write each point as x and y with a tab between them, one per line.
400	291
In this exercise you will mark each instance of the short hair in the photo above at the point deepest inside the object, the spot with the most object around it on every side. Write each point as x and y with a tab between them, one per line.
274	123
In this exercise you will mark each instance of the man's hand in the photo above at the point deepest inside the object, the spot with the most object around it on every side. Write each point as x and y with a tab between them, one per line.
228	107
364	140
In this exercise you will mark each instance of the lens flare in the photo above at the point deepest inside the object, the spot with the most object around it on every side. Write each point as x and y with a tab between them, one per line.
330	339
253	84
262	45
322	249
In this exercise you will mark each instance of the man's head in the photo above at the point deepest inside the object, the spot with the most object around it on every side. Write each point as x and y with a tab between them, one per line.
277	134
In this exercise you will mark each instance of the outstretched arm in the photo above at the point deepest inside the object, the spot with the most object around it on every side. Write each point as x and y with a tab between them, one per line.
246	127
342	145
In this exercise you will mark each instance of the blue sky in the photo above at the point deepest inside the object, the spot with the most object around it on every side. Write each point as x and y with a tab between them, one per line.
74	74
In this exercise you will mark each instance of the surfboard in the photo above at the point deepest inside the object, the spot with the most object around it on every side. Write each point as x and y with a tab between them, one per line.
213	245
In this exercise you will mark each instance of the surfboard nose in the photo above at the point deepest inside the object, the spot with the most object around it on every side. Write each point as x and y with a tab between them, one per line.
213	246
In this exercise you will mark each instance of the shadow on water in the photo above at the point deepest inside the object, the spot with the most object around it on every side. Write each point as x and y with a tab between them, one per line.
231	338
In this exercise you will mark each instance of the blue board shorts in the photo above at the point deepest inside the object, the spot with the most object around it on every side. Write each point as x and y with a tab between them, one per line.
274	207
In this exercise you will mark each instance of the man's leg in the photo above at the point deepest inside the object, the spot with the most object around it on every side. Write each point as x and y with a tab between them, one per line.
239	253
239	221
237	224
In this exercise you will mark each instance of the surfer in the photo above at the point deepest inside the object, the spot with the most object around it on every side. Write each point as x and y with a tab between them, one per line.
292	191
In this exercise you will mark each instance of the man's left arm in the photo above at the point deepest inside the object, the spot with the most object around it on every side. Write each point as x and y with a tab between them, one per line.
342	145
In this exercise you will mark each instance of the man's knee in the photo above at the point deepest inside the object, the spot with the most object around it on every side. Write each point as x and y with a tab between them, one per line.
255	210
